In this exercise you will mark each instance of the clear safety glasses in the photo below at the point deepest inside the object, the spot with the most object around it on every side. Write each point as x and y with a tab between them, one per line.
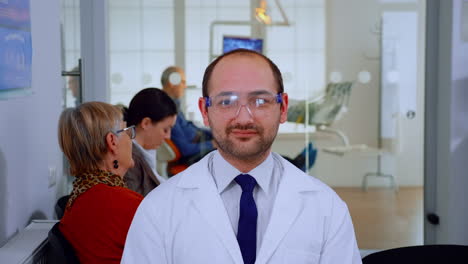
230	103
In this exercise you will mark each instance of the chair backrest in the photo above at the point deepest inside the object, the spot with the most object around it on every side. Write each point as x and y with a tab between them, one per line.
60	250
426	254
335	101
167	152
60	206
325	110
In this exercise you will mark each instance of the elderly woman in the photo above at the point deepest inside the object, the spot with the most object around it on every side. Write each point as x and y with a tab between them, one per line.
100	209
153	113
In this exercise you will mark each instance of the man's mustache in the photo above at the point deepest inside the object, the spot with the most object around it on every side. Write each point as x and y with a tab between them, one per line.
244	127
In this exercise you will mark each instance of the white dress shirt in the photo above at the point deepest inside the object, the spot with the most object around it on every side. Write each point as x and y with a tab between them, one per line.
150	158
268	176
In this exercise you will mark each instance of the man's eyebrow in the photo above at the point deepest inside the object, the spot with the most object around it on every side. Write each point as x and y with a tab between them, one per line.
226	93
259	92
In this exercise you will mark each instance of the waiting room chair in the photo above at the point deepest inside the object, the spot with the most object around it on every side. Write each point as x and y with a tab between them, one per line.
427	254
167	158
60	250
164	154
60	206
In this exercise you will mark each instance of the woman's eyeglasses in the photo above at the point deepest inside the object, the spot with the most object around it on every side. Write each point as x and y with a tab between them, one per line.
131	132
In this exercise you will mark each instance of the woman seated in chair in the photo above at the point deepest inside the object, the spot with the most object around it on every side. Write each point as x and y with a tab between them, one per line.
100	209
153	113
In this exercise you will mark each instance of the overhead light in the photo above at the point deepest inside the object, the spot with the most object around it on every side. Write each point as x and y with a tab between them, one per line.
261	15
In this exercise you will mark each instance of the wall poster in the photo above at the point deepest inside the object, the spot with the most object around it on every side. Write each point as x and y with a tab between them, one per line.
15	48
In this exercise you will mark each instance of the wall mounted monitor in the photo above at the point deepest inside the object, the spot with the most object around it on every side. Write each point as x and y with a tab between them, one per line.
238	42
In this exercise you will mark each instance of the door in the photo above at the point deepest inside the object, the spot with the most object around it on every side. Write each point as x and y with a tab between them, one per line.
84	59
402	93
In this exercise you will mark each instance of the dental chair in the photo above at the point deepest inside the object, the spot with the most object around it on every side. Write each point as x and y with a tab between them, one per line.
324	110
328	108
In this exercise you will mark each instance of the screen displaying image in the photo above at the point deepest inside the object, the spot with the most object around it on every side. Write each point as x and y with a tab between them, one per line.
15	13
232	43
15	45
15	59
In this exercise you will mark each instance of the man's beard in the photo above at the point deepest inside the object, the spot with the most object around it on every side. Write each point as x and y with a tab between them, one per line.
238	150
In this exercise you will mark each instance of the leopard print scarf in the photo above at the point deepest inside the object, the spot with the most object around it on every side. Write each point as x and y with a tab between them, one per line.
86	181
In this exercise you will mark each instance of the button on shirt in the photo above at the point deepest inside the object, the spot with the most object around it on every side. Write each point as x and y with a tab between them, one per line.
268	176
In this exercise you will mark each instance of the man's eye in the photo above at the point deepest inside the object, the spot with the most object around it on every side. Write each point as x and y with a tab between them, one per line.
226	102
261	101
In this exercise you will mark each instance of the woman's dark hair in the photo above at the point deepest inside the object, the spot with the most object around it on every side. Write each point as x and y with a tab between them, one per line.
150	102
124	110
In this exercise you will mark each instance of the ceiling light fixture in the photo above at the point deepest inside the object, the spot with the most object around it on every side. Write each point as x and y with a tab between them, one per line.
261	15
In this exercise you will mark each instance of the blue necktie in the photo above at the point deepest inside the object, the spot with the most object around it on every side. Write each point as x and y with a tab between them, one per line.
247	229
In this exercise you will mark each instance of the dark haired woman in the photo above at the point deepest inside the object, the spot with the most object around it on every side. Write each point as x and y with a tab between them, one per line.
153	113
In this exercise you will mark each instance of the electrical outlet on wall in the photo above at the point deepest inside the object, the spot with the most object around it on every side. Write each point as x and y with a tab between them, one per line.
52	176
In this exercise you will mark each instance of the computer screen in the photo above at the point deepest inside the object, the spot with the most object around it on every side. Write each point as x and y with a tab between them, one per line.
236	42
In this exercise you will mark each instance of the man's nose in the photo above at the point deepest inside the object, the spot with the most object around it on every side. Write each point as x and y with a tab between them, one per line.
244	112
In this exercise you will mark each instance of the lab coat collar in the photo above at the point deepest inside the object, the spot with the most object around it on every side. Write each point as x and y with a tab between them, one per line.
198	176
286	209
207	200
225	173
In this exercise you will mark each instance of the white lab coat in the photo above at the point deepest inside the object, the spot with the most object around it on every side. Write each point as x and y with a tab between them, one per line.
184	221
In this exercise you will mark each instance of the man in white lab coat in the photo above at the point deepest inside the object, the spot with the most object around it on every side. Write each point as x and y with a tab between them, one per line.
242	203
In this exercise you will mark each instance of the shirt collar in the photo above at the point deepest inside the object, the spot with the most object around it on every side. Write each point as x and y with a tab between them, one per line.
224	173
148	154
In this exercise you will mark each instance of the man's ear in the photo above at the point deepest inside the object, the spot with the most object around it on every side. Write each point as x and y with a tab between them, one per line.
203	110
112	143
284	108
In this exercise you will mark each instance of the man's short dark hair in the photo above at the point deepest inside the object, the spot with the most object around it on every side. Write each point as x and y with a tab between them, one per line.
209	70
150	102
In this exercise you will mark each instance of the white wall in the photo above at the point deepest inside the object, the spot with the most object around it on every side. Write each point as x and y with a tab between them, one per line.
353	45
28	135
142	43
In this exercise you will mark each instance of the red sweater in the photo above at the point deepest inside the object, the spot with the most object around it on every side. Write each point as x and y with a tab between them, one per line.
96	225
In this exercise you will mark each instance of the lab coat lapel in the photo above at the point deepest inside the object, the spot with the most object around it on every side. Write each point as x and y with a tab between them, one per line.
207	200
286	209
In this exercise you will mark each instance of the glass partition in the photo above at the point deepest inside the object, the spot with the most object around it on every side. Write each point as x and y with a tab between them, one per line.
71	54
354	72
